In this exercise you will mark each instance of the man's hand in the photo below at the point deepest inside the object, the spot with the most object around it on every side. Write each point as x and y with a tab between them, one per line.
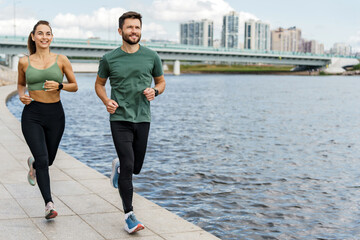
111	106
149	94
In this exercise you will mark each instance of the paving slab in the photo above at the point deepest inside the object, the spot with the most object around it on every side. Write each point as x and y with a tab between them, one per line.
10	209
88	206
35	207
89	203
111	226
67	227
23	189
17	229
4	194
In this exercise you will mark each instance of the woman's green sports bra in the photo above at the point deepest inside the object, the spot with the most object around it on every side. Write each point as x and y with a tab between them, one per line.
35	78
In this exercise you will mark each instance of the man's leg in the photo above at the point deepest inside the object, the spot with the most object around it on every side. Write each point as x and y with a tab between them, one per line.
140	145
122	134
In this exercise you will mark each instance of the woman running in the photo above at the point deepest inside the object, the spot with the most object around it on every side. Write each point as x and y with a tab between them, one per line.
43	118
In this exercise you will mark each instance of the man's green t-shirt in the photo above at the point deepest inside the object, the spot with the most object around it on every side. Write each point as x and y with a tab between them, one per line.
130	75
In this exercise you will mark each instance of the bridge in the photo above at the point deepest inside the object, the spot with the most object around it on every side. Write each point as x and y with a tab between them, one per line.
12	47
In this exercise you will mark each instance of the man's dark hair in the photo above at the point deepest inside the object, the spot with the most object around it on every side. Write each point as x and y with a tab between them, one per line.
133	15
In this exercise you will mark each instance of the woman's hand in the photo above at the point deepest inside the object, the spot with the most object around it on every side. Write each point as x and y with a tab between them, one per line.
51	86
26	99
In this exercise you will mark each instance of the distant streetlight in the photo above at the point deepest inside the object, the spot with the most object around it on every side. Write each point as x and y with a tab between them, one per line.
15	17
108	20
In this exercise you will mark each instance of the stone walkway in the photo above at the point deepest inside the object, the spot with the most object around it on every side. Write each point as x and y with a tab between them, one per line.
89	208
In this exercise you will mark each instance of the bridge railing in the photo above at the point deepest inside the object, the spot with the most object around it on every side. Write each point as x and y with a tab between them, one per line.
170	46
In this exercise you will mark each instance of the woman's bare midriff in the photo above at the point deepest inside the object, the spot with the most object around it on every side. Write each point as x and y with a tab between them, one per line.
44	96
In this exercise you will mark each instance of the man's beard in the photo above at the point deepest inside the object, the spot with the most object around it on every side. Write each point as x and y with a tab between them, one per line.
129	41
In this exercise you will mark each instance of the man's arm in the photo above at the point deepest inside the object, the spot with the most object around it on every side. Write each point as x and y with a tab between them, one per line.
159	85
100	90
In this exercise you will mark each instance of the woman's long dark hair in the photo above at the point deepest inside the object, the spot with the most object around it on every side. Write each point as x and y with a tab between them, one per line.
31	44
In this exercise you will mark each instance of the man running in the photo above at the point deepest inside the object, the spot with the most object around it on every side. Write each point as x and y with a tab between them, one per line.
130	69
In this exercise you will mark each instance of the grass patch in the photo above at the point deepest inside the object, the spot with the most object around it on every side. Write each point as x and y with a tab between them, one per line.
232	68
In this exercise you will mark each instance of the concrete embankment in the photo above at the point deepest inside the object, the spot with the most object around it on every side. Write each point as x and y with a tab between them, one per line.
85	67
7	76
89	208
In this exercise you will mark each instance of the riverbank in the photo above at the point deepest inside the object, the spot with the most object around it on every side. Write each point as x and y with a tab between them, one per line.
212	69
89	208
7	76
4	83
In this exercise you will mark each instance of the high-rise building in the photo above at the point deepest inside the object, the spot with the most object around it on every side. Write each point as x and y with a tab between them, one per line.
232	31
199	33
257	35
286	40
313	47
341	49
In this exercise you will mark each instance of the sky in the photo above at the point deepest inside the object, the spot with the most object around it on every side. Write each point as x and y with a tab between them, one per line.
325	21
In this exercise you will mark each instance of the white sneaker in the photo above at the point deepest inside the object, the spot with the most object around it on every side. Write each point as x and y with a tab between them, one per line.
31	175
50	211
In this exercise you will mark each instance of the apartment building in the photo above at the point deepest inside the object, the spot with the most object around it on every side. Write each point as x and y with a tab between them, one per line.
257	35
232	31
286	40
312	46
341	49
198	33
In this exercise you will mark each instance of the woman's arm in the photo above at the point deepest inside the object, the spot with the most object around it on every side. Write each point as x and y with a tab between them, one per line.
71	86
21	84
66	67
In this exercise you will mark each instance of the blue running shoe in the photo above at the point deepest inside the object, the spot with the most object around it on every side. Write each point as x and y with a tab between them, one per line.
132	224
115	173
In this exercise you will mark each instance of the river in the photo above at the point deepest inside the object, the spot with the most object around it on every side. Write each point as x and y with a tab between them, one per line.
242	156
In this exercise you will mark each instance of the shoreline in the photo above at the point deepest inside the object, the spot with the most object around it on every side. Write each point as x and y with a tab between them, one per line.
93	67
303	73
77	188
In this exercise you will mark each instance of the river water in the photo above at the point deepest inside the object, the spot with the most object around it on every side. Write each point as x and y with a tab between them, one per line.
242	156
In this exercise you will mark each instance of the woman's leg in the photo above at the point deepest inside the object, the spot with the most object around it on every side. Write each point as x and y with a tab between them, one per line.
35	138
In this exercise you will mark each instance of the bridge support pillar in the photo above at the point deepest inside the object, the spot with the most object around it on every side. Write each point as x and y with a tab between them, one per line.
177	67
13	62
165	67
8	60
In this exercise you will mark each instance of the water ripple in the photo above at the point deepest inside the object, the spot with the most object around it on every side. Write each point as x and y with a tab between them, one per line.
243	157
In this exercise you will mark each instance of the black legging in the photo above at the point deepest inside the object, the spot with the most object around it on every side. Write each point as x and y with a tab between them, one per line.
130	140
43	126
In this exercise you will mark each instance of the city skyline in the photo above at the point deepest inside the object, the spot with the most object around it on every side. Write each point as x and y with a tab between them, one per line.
325	22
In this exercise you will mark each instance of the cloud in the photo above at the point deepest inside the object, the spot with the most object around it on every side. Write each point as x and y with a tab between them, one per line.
173	10
23	26
101	23
161	20
182	11
7	11
153	31
72	32
99	19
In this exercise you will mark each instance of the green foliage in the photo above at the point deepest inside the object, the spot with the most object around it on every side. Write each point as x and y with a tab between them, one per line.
322	73
357	67
233	68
